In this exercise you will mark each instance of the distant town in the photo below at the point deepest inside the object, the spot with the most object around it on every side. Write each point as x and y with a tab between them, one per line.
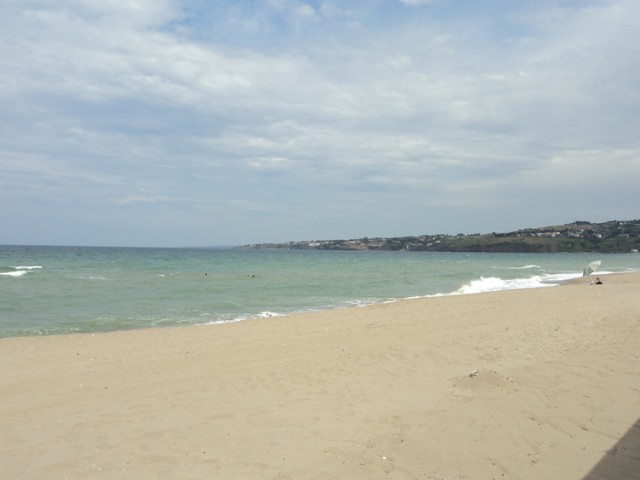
614	236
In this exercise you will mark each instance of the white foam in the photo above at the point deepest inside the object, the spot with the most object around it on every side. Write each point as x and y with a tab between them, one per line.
269	315
496	284
524	267
17	273
20	270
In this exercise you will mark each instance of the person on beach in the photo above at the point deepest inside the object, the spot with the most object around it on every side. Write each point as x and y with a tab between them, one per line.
597	281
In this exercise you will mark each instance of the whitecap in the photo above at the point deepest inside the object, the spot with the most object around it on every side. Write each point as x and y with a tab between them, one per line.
523	267
17	273
496	284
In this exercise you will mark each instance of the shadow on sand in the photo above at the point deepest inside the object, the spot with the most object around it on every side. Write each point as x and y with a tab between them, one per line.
622	462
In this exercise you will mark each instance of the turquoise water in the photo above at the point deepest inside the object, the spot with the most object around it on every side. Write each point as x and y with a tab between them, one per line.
61	290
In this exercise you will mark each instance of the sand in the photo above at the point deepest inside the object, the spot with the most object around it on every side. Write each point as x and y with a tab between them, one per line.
530	384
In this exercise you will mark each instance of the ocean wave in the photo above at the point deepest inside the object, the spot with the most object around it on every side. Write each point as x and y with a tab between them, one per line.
524	267
20	270
15	273
496	284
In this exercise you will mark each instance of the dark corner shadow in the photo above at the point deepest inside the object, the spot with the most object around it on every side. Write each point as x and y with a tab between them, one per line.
622	462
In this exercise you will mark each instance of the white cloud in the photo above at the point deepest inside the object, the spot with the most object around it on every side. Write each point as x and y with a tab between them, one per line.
305	11
273	164
415	3
448	109
130	199
588	170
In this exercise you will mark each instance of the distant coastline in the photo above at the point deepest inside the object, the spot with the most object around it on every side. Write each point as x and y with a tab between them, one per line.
615	236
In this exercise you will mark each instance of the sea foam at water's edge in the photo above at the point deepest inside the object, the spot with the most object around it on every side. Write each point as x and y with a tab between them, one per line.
496	284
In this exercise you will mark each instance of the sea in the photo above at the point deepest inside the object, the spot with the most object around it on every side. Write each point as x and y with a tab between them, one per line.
55	290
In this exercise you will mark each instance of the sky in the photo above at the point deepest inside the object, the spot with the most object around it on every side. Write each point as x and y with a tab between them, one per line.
212	122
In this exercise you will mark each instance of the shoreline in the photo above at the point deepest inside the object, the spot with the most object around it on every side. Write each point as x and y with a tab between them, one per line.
526	384
466	289
90	291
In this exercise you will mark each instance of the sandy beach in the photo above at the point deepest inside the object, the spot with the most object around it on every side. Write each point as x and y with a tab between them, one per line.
527	384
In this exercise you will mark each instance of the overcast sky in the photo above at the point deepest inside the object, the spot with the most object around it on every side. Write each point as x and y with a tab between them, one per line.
224	122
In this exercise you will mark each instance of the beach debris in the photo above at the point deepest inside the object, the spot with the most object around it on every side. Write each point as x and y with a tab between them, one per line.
473	374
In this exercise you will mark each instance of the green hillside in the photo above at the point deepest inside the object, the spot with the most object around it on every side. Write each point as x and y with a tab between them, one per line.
615	236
